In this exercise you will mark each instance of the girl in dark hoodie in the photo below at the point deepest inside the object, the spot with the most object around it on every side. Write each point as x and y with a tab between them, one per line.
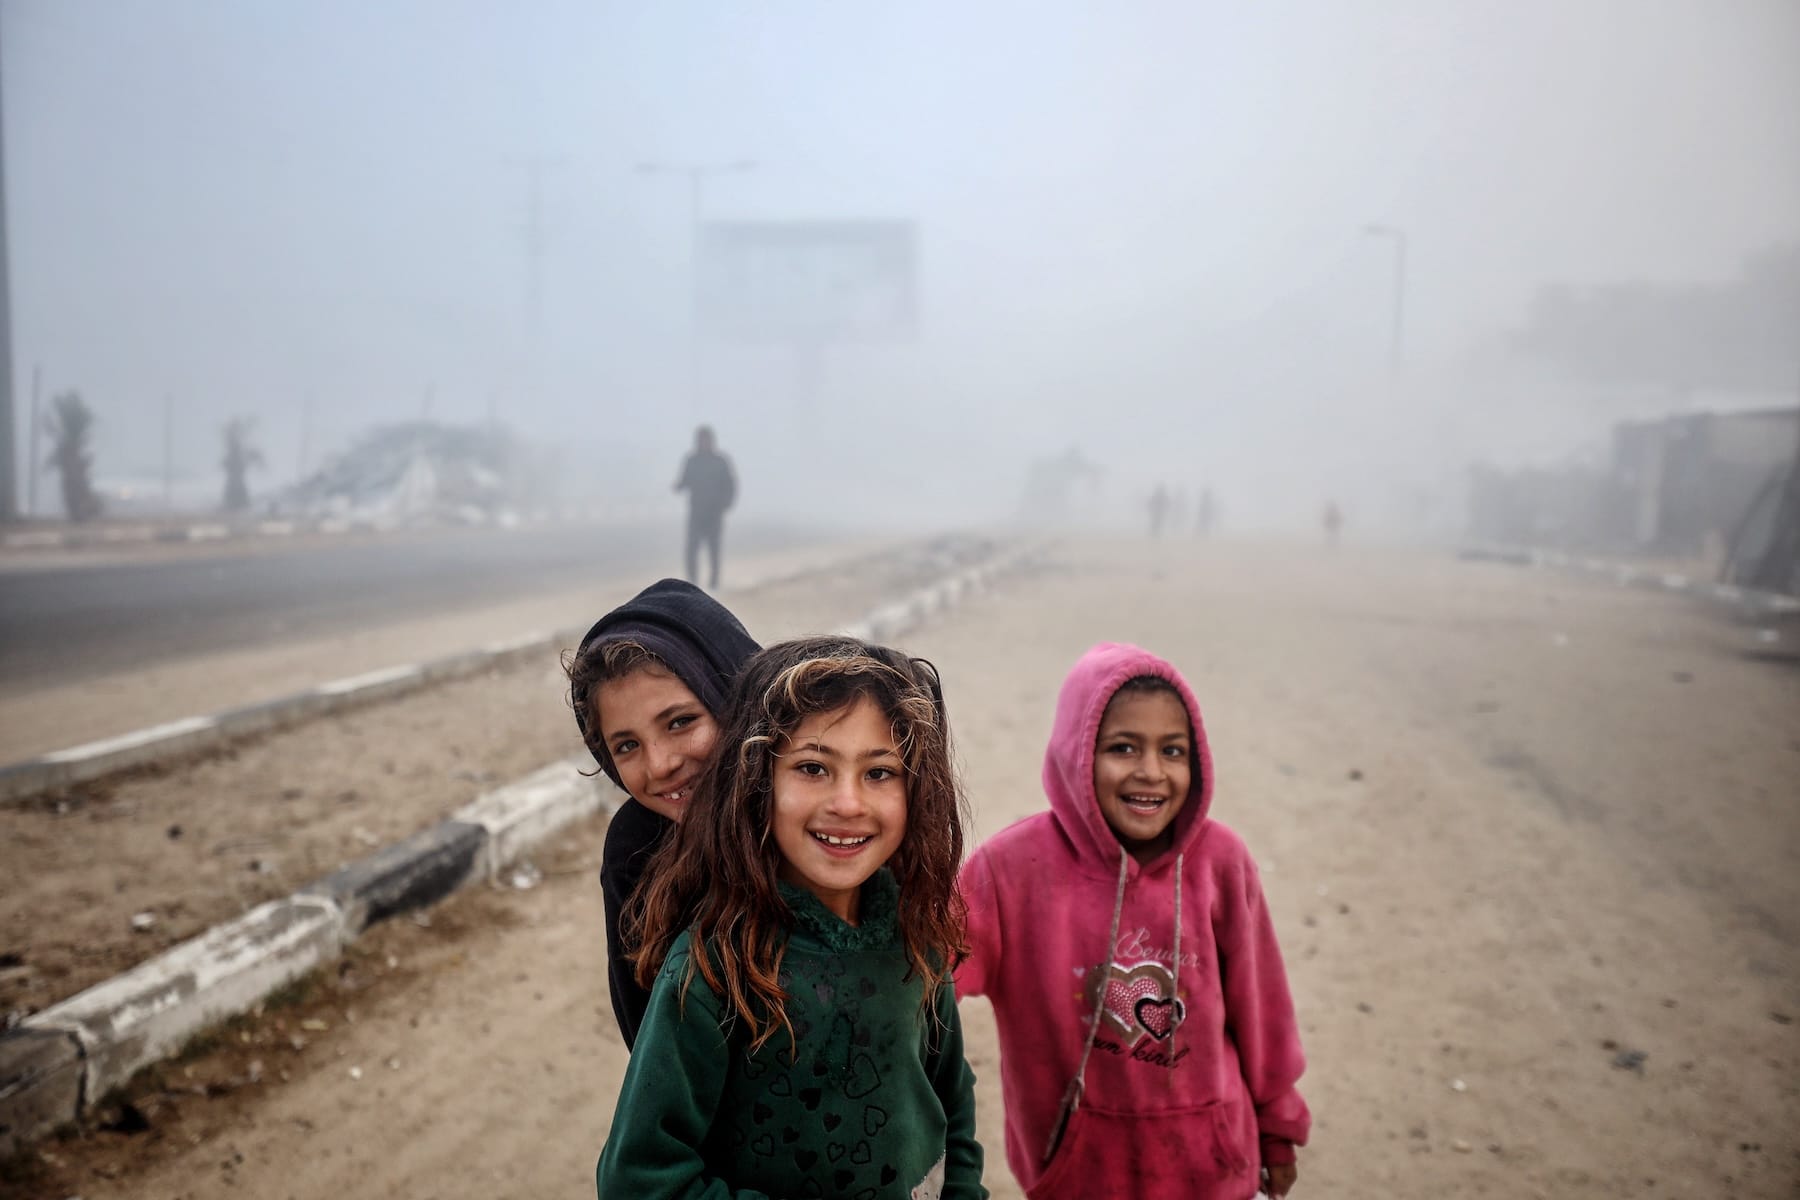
648	684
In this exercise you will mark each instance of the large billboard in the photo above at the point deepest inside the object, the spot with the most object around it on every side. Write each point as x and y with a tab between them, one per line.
816	282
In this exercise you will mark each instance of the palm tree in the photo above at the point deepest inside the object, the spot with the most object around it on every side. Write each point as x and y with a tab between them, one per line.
240	456
71	430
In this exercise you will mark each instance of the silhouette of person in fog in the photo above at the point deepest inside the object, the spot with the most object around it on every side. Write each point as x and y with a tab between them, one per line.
711	485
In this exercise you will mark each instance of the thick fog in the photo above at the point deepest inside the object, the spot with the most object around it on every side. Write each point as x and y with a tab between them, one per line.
1142	232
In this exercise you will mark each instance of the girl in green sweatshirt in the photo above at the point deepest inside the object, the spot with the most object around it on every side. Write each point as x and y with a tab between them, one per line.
797	937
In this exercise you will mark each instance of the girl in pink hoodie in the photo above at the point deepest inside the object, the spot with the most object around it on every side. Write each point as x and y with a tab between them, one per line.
1148	1046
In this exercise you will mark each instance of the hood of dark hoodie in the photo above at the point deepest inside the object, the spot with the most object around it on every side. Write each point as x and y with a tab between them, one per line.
1069	759
699	638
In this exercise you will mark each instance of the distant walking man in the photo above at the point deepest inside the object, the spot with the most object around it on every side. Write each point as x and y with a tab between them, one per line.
707	478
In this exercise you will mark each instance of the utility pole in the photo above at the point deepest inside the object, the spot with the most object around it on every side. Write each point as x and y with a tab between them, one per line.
306	412
9	497
696	175
31	446
168	453
535	166
1399	239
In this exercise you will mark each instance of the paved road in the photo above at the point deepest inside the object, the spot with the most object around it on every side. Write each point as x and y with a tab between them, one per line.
83	622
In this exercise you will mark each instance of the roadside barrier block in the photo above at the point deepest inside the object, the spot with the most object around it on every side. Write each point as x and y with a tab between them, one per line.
40	1083
150	1011
411	874
527	811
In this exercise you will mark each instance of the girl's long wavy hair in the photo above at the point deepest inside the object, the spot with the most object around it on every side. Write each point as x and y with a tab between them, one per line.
717	876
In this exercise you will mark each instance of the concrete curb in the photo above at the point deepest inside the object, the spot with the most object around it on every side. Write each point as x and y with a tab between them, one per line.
77	537
59	1063
1746	601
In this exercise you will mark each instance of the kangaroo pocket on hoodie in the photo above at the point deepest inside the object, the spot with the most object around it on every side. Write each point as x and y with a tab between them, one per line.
1154	1156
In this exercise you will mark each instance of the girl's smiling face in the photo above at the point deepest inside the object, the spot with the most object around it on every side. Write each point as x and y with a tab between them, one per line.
1143	765
659	735
839	808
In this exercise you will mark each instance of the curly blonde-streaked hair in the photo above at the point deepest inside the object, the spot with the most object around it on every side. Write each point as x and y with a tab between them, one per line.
718	875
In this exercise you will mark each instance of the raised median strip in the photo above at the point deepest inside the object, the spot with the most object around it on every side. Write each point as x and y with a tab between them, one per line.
59	1063
196	735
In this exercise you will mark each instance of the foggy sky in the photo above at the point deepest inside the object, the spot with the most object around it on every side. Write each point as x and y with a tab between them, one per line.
1140	224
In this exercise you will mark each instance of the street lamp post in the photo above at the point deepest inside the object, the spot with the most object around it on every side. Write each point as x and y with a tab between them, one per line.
696	175
1399	239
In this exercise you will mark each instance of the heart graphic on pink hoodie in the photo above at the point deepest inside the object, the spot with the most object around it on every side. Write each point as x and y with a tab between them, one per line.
1128	990
1160	1017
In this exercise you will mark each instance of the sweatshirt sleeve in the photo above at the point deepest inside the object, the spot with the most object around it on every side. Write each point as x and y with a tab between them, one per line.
976	973
1260	1014
954	1084
631	839
668	1100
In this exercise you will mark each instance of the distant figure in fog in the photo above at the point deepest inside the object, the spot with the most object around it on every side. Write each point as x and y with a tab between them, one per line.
1334	522
1205	512
711	485
1159	509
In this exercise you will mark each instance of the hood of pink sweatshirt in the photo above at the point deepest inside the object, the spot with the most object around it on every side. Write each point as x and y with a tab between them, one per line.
1069	759
1169	968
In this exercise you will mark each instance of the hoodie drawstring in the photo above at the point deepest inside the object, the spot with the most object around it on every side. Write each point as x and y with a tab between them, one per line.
1072	1095
1175	1007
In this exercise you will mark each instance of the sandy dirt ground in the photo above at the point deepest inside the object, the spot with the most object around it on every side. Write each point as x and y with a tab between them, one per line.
196	843
1530	842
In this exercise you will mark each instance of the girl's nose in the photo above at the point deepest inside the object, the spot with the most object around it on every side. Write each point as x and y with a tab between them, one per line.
665	759
847	798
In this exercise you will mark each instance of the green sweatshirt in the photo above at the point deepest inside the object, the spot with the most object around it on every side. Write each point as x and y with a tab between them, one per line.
874	1102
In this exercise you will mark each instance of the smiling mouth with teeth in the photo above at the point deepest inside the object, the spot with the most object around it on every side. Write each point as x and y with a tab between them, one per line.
1144	803
848	842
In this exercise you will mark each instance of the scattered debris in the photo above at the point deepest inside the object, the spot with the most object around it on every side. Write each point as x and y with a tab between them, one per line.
127	1118
1630	1060
1460	1146
143	922
1356	774
1457	1085
356	1072
314	1025
1781	1018
422	472
525	876
1363	1007
174	833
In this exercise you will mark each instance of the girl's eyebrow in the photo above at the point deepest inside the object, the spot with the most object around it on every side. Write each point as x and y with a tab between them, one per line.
817	747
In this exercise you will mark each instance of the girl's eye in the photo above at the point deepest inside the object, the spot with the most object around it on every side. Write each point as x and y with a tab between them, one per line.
810	768
682	722
624	748
883	774
1175	751
1120	748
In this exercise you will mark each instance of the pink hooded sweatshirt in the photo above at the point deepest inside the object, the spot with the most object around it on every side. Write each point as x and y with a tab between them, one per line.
1181	1082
